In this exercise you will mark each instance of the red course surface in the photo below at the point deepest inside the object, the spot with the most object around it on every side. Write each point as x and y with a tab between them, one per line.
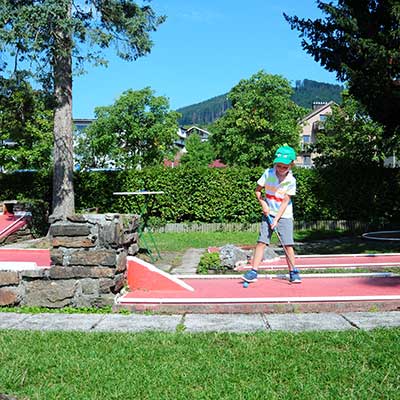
334	261
40	256
278	289
219	289
10	223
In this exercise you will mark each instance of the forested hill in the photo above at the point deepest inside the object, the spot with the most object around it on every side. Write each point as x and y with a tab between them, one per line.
204	113
305	93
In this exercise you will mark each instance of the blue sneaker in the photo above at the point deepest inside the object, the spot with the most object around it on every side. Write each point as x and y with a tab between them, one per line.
294	276
250	276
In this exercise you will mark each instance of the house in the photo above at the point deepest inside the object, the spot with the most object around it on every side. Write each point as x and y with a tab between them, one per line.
81	123
311	124
184	133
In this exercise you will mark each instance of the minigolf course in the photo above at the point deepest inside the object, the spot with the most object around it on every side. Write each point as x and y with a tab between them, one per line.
149	288
24	259
15	259
12	222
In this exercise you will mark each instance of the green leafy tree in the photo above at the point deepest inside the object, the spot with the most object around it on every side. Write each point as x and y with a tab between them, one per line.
51	37
199	154
26	127
350	136
137	130
262	117
360	41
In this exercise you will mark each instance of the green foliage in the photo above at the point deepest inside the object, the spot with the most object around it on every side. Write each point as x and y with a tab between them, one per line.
360	41
192	194
40	214
25	120
95	189
26	185
340	191
33	191
210	262
50	38
137	130
261	119
46	32
64	310
198	153
349	136
359	192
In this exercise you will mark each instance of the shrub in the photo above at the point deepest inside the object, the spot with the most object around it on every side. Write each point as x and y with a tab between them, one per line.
210	262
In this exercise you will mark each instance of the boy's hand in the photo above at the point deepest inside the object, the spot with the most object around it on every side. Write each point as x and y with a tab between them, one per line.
265	208
272	222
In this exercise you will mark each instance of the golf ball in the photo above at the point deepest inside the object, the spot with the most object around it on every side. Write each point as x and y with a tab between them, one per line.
245	284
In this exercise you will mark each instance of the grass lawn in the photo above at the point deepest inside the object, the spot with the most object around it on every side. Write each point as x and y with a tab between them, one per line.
181	241
172	245
310	242
273	365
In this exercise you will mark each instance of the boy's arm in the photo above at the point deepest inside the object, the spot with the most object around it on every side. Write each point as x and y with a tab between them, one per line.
282	208
261	200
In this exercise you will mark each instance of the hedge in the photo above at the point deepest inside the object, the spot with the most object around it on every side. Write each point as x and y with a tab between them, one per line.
224	194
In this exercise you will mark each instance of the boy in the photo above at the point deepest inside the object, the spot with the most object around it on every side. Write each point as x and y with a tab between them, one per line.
279	184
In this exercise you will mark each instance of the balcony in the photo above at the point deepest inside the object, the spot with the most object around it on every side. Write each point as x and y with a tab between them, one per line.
318	126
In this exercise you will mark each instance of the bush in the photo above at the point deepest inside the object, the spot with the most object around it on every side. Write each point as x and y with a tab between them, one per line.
220	195
210	262
40	215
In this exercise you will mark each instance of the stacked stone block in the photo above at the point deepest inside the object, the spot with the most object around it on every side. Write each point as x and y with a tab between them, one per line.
88	256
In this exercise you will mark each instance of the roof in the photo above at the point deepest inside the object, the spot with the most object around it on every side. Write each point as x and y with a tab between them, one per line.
317	111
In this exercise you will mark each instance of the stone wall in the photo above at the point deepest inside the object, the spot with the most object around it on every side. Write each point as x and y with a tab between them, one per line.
88	256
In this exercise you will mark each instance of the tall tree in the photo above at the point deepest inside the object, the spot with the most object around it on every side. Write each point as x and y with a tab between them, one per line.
262	118
138	129
198	153
360	41
349	137
52	37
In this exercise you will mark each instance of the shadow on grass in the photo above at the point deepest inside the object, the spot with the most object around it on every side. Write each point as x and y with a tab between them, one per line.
345	245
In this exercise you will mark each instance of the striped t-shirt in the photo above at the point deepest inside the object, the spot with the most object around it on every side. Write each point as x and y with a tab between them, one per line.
275	191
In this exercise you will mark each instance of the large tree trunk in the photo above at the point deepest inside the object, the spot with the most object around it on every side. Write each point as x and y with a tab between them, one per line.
63	189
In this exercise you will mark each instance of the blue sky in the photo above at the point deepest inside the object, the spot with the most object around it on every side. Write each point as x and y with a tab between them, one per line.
204	48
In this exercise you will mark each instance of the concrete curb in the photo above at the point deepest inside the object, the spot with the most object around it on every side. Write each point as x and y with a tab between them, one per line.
195	323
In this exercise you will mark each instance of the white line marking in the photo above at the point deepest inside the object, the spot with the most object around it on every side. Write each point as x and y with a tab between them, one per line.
322	275
161	300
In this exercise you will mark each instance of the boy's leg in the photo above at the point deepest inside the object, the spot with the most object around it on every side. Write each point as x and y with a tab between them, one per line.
290	253
258	255
285	229
294	274
263	241
251	275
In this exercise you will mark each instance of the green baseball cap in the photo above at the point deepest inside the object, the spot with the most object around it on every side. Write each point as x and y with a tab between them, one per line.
285	155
